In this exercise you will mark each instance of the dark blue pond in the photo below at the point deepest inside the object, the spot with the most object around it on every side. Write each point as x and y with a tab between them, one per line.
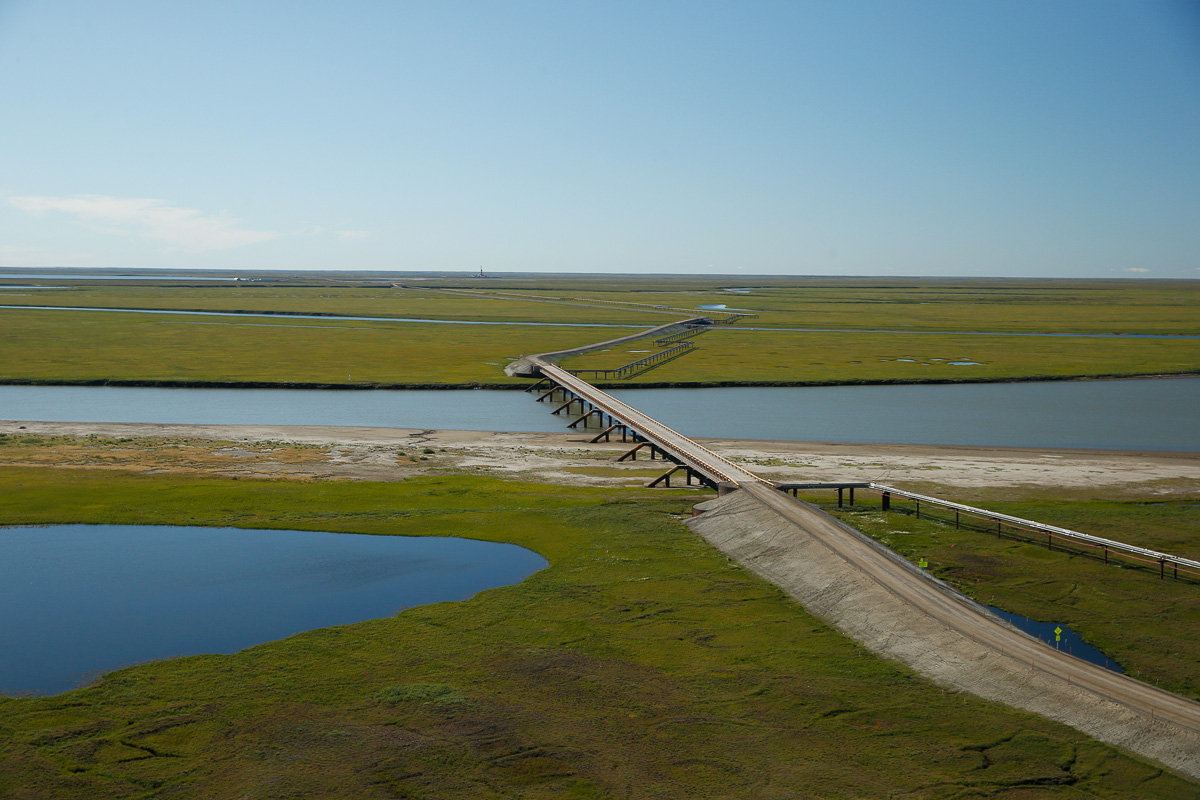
79	600
1070	640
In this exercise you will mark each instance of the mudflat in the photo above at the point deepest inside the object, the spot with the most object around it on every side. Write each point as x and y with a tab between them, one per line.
363	453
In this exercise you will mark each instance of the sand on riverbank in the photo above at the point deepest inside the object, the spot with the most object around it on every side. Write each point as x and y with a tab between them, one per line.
362	453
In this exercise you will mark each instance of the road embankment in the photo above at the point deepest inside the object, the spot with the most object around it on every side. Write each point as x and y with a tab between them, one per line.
886	604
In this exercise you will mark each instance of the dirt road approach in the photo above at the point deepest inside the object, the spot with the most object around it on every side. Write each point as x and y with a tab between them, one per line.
888	605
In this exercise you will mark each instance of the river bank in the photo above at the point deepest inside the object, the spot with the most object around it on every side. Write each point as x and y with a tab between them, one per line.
523	384
309	452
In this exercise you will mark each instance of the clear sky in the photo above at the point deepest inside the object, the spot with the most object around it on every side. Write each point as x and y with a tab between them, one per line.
947	137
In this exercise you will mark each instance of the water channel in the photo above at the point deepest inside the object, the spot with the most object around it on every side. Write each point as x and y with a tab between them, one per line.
1147	414
740	328
82	599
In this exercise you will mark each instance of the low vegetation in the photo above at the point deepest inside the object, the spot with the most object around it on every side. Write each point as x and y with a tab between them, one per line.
1046	306
640	663
1145	624
735	356
854	330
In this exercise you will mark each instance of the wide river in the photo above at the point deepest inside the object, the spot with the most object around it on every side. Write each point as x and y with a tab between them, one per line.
1159	414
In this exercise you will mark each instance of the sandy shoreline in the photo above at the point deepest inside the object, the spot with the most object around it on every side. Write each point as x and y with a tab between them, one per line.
367	453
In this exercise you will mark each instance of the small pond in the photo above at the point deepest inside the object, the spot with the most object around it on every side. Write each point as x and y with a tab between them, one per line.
1070	641
79	600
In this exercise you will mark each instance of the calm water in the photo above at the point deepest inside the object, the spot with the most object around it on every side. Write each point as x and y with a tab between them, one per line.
327	317
83	276
1118	415
81	599
1070	640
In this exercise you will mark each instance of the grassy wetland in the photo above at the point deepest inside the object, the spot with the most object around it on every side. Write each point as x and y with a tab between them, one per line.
640	663
1143	623
856	330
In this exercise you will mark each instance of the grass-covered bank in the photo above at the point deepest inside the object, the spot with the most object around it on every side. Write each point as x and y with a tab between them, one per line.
639	664
87	348
607	385
1145	624
850	357
931	304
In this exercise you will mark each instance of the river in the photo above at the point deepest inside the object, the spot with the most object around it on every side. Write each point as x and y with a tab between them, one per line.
1145	414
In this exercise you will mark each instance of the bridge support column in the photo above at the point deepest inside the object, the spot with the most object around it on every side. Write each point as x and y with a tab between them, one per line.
587	416
631	454
665	478
567	405
851	495
608	432
839	497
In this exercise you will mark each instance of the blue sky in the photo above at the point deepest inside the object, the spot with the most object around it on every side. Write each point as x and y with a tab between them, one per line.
965	138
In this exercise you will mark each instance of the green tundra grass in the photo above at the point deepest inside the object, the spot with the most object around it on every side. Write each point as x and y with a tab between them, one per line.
738	356
641	663
84	346
1145	624
1045	306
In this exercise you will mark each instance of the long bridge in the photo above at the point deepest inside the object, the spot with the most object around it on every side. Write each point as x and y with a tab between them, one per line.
1164	725
695	460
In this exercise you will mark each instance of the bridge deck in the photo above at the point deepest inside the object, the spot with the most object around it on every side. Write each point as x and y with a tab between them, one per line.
700	459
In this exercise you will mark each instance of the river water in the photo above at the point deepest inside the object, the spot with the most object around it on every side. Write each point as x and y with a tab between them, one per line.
1118	415
81	599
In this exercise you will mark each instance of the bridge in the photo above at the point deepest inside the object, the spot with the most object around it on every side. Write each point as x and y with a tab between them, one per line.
1162	725
693	459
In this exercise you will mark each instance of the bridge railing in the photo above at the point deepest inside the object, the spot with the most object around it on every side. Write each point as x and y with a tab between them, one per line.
639	366
1053	533
690	333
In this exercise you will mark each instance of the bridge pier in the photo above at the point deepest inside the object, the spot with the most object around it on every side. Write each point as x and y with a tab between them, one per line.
665	478
655	450
587	416
614	425
567	405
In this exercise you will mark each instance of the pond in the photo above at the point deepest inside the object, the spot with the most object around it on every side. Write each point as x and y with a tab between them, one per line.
1067	640
79	600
